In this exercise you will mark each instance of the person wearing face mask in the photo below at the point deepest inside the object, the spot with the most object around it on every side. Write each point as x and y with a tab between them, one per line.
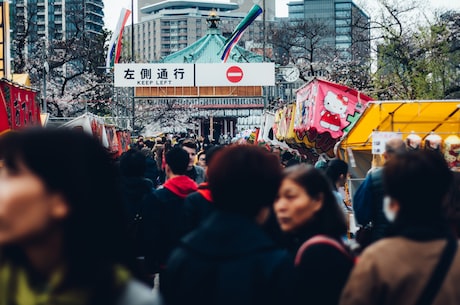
418	263
368	199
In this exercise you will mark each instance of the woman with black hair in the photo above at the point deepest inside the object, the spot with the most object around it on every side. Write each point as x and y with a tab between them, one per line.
307	211
337	171
62	233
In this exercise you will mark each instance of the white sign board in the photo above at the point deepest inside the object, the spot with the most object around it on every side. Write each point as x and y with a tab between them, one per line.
379	138
192	75
154	75
236	74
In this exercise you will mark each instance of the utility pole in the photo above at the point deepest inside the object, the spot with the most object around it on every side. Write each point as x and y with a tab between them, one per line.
264	16
132	60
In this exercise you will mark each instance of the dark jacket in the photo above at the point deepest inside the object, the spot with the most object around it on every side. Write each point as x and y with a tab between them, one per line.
151	171
228	260
164	221
321	275
197	174
134	190
368	204
198	206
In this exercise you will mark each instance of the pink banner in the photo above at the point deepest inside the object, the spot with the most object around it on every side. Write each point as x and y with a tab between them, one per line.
328	107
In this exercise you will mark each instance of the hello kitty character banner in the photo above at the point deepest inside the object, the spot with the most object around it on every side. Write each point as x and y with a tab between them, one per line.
325	111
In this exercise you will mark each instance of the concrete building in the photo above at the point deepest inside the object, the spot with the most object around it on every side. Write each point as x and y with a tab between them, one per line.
168	26
55	19
348	24
244	7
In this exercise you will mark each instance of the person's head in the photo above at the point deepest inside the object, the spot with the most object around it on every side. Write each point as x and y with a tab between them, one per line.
140	141
452	204
416	184
68	191
394	147
243	179
337	171
177	160
305	201
285	157
147	152
149	144
190	147
132	163
201	157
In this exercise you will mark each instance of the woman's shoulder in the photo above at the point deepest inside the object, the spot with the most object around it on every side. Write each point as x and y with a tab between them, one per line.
137	293
323	248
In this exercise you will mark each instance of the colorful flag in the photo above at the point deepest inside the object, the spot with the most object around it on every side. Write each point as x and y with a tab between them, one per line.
114	50
255	11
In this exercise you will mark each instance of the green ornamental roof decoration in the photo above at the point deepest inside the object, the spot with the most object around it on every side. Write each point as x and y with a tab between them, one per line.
208	49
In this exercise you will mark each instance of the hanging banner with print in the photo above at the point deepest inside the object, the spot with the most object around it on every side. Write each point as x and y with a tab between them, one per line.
325	111
18	106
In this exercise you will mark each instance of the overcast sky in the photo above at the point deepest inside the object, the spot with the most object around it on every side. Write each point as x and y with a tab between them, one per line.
112	12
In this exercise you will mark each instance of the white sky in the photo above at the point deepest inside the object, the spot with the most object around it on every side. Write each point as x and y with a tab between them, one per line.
112	12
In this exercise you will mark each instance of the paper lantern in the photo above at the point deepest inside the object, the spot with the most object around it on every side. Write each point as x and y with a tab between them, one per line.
433	142
413	141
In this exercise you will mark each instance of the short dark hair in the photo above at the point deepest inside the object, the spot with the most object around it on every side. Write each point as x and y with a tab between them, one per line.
419	181
329	219
335	168
243	179
189	143
132	163
177	159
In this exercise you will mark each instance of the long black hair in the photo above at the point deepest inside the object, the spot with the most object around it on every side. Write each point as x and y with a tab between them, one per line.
79	168
329	219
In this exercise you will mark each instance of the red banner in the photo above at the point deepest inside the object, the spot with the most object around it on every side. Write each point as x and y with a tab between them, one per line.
18	107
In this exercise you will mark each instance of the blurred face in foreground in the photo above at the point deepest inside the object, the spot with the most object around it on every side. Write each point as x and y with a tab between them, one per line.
27	209
294	207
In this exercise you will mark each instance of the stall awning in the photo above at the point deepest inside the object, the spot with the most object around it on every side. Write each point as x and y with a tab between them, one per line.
421	117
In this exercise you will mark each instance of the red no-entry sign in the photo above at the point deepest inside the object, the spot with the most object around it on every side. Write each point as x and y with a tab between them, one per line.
234	74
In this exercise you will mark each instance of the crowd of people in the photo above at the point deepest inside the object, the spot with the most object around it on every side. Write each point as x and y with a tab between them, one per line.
221	224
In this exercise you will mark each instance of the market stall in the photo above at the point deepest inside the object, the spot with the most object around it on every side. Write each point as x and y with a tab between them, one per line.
115	140
322	114
422	124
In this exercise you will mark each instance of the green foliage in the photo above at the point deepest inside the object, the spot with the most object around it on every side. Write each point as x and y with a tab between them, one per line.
420	63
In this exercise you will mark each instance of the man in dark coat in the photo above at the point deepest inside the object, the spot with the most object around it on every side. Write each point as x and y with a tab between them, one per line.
198	205
163	212
134	187
229	259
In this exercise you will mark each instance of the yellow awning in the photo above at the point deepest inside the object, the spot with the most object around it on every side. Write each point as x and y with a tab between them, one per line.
22	79
421	117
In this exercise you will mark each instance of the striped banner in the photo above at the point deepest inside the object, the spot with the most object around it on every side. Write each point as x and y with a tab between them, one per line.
255	11
114	50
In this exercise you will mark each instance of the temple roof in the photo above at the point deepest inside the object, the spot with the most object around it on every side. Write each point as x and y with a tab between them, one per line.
208	49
